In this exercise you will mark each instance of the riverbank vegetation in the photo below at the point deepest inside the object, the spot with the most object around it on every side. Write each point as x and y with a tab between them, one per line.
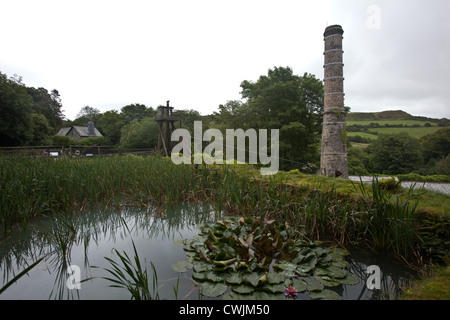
410	224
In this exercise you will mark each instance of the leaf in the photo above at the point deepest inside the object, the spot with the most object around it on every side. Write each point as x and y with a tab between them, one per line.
252	278
233	278
339	252
243	288
336	272
202	266
299	285
328	281
214	277
255	295
181	266
212	290
273	288
349	279
199	276
313	284
275	278
325	295
307	264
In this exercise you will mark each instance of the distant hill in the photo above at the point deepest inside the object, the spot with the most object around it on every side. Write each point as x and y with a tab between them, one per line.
364	127
386	115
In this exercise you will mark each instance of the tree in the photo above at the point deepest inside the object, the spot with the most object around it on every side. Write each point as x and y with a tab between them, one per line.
436	145
136	112
40	130
110	123
395	154
49	105
88	112
140	134
15	112
292	104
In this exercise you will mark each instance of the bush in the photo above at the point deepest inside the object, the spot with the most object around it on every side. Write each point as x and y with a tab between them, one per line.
443	166
389	184
65	141
101	141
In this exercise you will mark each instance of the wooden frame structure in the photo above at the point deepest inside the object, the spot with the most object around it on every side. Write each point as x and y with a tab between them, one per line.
166	127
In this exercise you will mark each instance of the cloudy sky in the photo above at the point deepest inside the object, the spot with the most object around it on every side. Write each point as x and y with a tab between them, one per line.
195	53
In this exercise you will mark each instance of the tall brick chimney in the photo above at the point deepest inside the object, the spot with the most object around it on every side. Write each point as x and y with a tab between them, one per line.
333	156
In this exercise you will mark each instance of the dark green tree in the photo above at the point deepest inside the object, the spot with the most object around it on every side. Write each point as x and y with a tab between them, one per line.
136	112
140	134
292	104
16	107
395	154
110	123
436	145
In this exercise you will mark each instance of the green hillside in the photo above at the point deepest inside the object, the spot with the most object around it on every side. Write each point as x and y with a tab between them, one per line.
363	127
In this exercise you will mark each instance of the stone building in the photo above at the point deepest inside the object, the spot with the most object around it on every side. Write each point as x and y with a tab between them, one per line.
79	133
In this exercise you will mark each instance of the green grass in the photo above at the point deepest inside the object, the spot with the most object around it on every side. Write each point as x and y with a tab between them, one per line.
434	287
413	132
363	135
409	123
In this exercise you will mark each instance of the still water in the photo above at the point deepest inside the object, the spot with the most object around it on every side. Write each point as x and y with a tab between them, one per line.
88	238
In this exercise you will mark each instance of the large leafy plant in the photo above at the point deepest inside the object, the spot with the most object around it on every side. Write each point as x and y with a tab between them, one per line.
261	259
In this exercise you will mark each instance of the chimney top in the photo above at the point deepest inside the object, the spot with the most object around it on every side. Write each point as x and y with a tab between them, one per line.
334	29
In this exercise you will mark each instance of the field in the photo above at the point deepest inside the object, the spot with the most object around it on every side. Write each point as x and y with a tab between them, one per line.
370	129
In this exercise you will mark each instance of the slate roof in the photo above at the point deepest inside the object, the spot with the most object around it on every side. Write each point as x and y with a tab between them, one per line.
82	131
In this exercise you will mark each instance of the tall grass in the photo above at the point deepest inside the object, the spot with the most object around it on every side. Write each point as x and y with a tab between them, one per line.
35	187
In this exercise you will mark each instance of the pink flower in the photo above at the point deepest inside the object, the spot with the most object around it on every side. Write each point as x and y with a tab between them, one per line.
291	292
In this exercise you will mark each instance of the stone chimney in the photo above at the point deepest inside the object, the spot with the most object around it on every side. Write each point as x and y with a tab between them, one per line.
333	156
91	131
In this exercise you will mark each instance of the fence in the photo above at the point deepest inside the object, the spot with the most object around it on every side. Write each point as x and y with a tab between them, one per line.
72	151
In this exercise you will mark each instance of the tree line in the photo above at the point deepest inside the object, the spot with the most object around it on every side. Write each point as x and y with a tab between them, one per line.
276	100
28	116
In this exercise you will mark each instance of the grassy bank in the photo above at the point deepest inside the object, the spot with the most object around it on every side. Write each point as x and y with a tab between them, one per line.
320	208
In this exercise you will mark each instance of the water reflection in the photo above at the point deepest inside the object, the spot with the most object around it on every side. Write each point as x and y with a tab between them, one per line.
85	239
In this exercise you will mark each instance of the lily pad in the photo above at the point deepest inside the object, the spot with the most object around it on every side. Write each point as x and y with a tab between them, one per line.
273	288
349	279
255	295
243	288
275	278
214	277
299	285
313	285
328	281
233	278
307	264
252	278
336	272
202	266
212	290
182	266
325	295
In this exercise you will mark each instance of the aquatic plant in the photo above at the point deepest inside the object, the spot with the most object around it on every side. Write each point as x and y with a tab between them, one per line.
132	276
260	258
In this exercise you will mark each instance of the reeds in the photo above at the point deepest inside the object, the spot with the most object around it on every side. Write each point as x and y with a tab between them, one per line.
35	187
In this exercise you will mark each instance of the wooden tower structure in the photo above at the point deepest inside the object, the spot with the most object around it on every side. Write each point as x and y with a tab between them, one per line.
166	126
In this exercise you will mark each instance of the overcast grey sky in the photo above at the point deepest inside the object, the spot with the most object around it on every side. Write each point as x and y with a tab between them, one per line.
107	54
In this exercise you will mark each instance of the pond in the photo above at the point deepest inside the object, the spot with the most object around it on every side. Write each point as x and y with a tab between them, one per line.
86	239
